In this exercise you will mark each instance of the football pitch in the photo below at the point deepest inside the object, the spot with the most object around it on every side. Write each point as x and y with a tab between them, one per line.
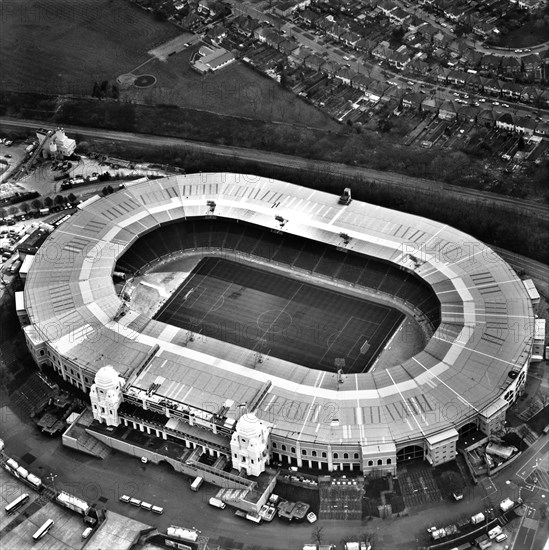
282	317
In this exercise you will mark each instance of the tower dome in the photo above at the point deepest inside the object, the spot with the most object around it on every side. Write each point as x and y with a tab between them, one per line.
107	378
249	426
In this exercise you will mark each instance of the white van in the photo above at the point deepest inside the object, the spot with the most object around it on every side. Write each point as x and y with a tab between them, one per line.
217	503
146	506
87	532
124	498
501	537
157	509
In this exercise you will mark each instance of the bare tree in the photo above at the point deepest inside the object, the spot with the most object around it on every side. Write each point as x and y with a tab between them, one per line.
318	534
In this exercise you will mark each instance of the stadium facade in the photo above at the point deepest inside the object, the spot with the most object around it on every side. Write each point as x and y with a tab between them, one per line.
147	375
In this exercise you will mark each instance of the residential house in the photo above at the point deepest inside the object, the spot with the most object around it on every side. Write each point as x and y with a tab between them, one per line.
386	7
428	32
447	111
245	25
216	34
361	81
493	87
542	129
490	63
457	77
310	17
431	105
398	16
482	29
377	89
366	45
314	62
350	38
344	74
418	67
510	66
413	100
532	66
288	46
209	8
487	118
441	74
382	51
414	23
398	60
284	8
506	121
329	67
191	22
454	12
511	90
525	125
298	57
467	113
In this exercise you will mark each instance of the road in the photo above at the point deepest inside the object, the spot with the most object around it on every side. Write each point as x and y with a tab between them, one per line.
419	185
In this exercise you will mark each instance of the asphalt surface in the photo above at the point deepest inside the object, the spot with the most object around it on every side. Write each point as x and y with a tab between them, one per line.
266	158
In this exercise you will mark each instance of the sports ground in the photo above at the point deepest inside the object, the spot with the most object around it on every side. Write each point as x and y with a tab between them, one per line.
280	316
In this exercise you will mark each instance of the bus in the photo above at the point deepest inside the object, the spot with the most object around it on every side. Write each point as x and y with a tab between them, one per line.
47	525
197	483
17	503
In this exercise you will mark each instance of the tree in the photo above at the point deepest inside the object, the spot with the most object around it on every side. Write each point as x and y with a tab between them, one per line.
318	535
59	200
25	207
72	198
12	210
48	202
36	204
2	212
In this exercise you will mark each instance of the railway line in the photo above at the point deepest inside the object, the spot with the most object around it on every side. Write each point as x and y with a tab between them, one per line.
420	185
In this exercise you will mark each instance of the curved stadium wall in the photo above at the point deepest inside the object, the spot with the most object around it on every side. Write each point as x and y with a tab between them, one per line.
473	366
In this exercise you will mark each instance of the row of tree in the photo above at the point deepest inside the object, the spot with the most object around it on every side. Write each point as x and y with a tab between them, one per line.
37	204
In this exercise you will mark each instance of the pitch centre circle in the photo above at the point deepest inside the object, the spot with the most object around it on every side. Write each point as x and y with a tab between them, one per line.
274	321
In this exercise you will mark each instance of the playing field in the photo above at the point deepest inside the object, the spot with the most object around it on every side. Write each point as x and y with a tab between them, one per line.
280	316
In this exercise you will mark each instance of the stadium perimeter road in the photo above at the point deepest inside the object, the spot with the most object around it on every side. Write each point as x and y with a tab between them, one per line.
266	158
103	481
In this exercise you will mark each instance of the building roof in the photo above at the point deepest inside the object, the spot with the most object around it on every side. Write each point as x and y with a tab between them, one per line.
73	308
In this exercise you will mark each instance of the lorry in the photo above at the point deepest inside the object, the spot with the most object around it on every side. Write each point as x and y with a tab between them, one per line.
478	518
506	505
503	451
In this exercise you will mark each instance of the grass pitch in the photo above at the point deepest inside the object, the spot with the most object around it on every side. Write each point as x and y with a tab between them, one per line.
280	316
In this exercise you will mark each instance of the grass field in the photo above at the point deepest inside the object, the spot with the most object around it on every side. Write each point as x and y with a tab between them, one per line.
280	316
64	46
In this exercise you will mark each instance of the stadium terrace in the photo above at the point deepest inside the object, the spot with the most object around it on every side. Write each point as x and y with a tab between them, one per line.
474	310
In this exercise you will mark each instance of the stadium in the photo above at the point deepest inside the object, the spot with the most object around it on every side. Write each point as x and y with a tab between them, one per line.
278	300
